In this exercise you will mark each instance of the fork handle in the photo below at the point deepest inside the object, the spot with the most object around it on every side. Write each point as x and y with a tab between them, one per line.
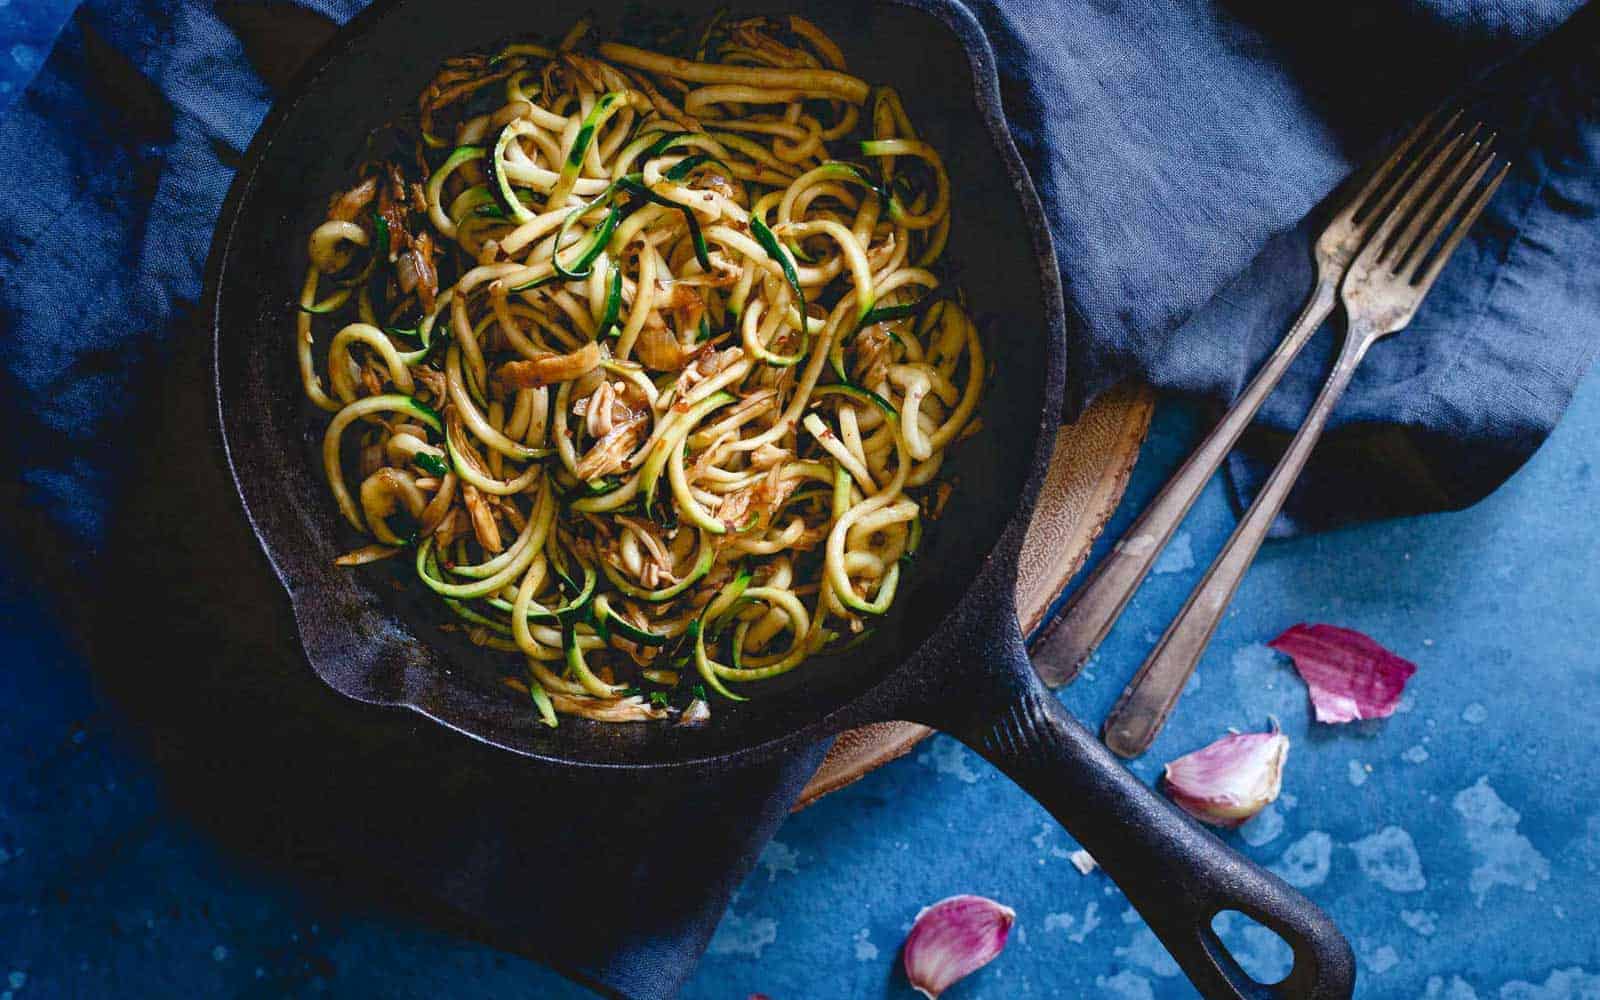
1148	700
1066	644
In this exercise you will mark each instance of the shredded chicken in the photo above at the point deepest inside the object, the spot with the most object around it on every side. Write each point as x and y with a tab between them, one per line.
433	514
603	408
431	379
770	456
416	272
610	453
459	78
880	253
713	453
696	715
756	504
707	362
872	355
685	304
367	554
372	459
658	347
483	523
346	207
658	568
724	273
550	369
448	528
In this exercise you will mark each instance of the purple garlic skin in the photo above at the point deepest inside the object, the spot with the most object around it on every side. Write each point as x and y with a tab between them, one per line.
1348	675
1231	780
954	938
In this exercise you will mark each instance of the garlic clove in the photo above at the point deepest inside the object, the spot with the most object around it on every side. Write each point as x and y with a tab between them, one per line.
1231	780
954	938
1349	675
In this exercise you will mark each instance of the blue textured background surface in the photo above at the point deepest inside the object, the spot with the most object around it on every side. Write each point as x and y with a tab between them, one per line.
1457	843
27	30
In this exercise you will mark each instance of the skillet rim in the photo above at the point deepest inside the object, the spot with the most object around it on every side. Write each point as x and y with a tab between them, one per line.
990	584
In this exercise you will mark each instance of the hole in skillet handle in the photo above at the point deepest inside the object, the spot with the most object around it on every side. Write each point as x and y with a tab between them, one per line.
1264	956
1177	874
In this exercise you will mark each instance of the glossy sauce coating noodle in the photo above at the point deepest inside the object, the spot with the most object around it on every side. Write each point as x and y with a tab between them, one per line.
644	361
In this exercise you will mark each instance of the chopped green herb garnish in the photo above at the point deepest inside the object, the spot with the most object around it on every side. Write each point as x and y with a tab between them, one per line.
433	465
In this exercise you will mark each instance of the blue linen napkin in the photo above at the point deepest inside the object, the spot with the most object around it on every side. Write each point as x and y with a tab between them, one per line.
1181	149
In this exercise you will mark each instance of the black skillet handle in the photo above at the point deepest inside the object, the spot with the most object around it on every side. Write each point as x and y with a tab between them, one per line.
1178	875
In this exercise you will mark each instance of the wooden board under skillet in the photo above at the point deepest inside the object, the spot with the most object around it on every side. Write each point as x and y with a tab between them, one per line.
1088	472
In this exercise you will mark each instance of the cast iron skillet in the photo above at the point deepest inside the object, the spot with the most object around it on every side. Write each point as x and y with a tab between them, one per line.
950	656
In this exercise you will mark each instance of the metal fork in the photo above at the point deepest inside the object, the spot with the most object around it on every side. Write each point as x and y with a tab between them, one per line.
1381	292
1067	644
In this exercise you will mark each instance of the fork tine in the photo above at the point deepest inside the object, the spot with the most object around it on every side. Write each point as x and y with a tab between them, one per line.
1365	204
1377	246
1402	247
1460	231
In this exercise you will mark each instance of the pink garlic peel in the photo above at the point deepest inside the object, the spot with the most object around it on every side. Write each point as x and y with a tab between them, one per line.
1231	780
954	938
1349	675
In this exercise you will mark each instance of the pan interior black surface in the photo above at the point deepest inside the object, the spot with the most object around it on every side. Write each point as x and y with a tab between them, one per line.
371	634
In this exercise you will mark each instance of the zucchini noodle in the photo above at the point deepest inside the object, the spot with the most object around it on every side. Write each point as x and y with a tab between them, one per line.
645	362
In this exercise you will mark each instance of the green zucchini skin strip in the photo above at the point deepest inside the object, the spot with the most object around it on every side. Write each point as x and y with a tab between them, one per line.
678	171
703	665
580	667
607	619
843	170
609	104
499	185
661	451
433	465
775	249
842	481
331	304
881	602
859	394
331	437
663	144
634	184
593	244
721	606
541	701
468	615
574	611
457	157
913	541
608	319
689	507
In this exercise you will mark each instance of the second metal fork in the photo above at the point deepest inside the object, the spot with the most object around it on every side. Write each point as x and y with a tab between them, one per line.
1077	631
1381	292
